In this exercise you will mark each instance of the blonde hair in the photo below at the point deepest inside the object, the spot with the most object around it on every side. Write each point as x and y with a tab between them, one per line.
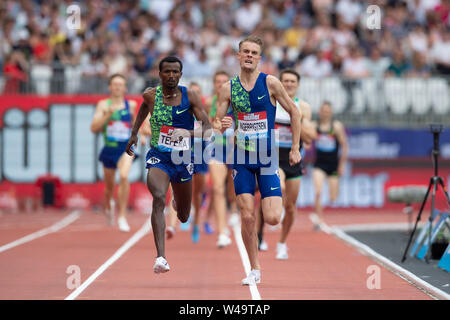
253	39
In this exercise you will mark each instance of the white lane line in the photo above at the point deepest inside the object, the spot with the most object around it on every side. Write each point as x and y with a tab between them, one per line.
124	248
424	286
43	232
395	226
245	260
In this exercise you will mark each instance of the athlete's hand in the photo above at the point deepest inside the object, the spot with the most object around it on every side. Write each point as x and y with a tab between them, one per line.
132	141
227	122
179	134
294	157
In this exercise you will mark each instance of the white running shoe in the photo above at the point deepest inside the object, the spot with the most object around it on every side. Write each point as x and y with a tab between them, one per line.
282	250
161	265
123	224
252	279
170	232
223	241
234	219
263	246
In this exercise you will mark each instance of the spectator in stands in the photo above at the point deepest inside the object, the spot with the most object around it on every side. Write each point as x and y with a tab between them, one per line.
248	15
124	29
387	42
93	71
115	59
377	64
294	37
419	66
417	39
440	54
399	66
285	62
15	72
281	15
349	11
355	65
316	65
42	52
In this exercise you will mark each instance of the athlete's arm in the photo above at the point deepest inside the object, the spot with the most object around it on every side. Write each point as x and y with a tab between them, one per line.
142	131
200	113
309	133
341	137
101	115
279	93
208	104
145	109
223	101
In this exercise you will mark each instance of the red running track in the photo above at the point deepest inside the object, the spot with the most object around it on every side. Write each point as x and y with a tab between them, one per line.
320	266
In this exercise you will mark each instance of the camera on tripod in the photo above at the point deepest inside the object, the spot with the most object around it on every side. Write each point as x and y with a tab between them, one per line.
435	181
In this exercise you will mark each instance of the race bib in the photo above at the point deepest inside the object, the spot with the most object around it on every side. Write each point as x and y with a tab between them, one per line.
326	143
253	125
118	131
166	144
283	136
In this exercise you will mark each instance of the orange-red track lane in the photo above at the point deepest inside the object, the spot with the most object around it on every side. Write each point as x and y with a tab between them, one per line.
320	266
37	269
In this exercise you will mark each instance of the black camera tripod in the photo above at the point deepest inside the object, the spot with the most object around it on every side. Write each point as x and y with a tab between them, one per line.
436	129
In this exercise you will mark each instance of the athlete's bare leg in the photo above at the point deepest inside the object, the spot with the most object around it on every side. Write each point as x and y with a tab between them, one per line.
246	204
290	208
198	188
158	184
218	172
333	184
124	166
319	177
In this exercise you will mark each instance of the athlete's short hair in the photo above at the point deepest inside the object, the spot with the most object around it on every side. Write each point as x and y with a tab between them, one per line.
291	71
254	39
170	59
116	75
326	102
220	72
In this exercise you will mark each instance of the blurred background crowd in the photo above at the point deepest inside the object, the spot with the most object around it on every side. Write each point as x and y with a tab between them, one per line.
319	38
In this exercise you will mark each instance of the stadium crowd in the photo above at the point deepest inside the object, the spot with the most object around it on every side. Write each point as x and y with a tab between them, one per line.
319	38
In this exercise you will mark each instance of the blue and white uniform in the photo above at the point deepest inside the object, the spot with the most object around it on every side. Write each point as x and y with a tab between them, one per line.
163	151
255	154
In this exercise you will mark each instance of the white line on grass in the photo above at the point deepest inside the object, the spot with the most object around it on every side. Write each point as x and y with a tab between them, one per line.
43	232
124	248
245	260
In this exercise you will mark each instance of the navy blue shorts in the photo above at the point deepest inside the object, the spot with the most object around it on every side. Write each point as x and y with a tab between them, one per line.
201	168
110	156
245	176
178	173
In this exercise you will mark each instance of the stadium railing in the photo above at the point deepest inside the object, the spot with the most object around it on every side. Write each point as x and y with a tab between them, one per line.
362	102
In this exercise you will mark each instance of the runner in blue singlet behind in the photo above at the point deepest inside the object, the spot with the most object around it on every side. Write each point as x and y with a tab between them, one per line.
114	117
253	96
